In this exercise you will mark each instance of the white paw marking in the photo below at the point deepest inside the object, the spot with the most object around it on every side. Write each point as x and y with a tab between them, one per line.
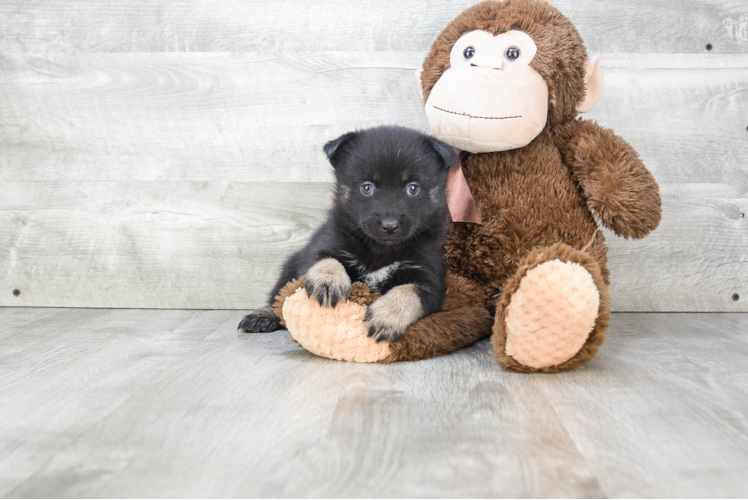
328	283
391	314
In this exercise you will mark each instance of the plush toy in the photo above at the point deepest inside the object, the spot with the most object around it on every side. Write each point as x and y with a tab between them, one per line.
504	83
340	333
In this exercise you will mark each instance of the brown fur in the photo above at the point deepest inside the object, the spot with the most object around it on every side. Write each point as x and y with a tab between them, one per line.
462	321
563	253
285	292
536	202
559	60
531	201
615	183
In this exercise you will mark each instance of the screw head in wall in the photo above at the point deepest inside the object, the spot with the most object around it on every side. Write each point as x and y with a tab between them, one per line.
735	297
16	292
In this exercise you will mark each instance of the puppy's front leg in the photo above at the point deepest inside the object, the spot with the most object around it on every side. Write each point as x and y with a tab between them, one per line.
392	313
328	283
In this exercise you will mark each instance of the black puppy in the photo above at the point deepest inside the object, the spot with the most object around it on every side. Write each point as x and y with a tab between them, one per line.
386	228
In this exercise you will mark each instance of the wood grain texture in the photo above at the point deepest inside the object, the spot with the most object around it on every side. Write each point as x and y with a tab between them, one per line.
220	245
684	114
661	412
264	117
662	367
140	178
74	367
242	117
152	244
236	26
23	318
695	261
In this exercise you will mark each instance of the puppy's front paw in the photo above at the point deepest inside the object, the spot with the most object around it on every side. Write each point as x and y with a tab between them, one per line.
391	314
328	283
260	321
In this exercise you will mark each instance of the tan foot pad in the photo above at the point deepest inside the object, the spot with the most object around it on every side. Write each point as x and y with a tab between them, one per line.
337	333
551	315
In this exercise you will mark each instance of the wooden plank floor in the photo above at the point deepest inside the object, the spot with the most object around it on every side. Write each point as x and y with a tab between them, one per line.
161	403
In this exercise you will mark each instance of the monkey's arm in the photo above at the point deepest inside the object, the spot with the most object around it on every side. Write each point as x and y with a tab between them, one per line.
462	320
615	182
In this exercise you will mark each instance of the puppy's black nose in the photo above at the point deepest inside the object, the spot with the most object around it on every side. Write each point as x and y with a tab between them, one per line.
390	225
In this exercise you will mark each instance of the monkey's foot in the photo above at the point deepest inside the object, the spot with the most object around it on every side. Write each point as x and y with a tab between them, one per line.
553	312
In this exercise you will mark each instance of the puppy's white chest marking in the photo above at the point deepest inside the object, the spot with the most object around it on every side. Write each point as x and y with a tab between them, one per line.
376	278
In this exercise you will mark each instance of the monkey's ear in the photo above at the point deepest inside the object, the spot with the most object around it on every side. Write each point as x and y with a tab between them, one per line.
593	85
335	146
419	83
447	152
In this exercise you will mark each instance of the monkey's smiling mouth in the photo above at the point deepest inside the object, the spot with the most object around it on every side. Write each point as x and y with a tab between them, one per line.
473	116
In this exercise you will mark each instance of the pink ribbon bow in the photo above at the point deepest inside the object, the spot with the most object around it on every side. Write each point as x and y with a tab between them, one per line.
459	200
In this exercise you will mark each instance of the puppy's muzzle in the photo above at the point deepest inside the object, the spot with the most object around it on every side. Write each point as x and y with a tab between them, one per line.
390	225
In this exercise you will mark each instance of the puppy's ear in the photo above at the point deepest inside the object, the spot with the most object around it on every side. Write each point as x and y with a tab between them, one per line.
447	152
336	146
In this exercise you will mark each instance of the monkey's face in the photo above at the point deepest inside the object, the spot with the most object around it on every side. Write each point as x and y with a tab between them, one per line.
490	99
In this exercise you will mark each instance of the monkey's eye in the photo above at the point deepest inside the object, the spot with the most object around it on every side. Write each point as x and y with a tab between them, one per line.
512	53
468	52
412	189
367	189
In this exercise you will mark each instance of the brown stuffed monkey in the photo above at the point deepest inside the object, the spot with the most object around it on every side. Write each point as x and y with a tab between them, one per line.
504	83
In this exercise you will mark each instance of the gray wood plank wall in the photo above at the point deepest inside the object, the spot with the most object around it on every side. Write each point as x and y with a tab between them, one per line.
168	154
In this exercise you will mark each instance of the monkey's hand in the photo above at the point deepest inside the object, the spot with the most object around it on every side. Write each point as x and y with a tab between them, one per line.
328	283
390	315
617	185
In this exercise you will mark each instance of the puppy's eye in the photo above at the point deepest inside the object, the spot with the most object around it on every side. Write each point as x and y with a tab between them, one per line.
468	53
367	189
512	53
412	189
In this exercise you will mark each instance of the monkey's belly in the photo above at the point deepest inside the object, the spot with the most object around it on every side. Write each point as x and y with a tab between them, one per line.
488	254
527	199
